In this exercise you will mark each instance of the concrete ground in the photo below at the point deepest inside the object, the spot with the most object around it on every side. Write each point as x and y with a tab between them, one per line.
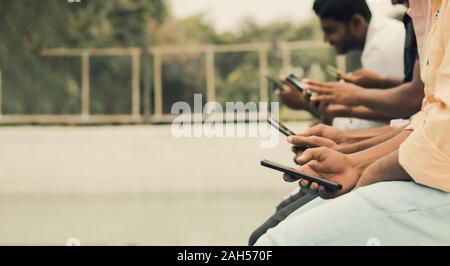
134	185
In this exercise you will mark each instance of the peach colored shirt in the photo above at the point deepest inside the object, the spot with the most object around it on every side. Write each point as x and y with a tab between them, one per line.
420	12
425	155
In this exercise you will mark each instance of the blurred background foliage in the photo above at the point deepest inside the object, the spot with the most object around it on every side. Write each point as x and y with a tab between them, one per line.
33	84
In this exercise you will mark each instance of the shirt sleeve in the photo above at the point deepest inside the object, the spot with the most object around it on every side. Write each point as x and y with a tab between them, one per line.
425	155
384	49
416	120
386	61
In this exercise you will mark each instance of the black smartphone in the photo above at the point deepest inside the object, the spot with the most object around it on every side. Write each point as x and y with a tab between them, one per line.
280	127
276	85
285	131
297	175
292	79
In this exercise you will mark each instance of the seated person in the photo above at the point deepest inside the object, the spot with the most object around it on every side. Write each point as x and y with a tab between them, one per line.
357	140
348	25
368	207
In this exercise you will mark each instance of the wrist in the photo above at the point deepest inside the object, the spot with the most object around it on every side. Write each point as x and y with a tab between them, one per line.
358	96
345	148
385	82
368	177
359	162
350	138
364	96
391	82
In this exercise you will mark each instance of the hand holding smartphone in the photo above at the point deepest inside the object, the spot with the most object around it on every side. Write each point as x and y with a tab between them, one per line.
297	175
292	80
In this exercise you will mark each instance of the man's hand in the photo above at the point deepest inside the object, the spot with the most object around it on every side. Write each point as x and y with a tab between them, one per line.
333	111
364	78
311	142
336	92
330	165
301	144
327	132
293	98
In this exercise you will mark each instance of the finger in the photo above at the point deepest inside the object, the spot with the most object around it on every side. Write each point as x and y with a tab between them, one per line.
298	155
316	130
324	98
289	178
319	89
295	149
315	83
323	193
342	75
289	88
286	89
314	187
312	154
311	141
296	158
313	123
348	76
317	166
304	183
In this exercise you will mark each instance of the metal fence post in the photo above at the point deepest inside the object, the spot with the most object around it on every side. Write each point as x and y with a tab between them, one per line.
210	76
85	84
135	83
1	93
286	53
263	68
157	78
146	68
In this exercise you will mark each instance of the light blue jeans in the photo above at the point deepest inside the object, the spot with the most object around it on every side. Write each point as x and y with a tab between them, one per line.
389	213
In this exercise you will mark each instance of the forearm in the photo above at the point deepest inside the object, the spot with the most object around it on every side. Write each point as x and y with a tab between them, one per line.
364	112
401	101
366	157
358	135
385	169
390	82
391	102
368	143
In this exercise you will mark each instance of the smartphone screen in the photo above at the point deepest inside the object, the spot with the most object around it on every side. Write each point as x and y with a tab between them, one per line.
297	175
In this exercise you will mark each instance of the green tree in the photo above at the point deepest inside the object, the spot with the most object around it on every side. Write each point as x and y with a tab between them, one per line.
34	84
